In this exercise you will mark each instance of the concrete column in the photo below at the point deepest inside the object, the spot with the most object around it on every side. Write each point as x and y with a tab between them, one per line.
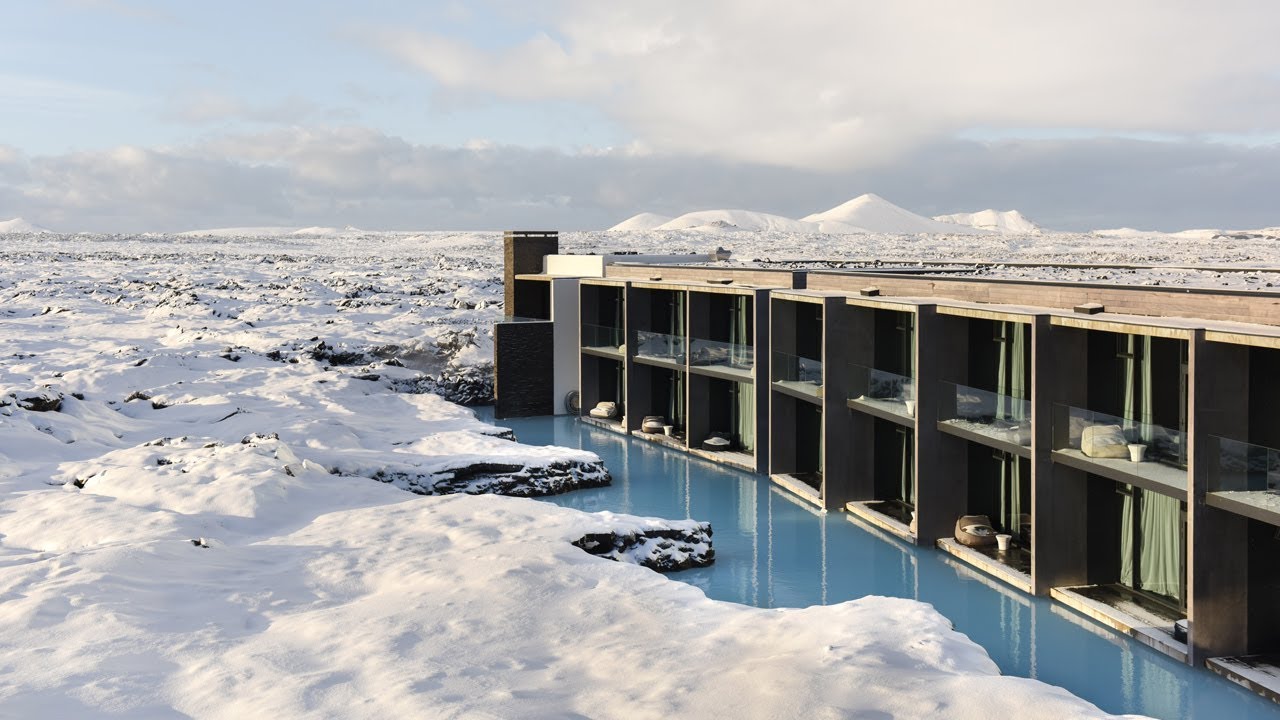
940	499
1217	540
860	324
761	384
838	341
1059	520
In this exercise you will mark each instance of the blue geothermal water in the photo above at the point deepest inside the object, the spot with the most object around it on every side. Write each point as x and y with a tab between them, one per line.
774	551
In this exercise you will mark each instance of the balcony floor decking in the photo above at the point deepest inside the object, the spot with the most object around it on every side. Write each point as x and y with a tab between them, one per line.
891	410
674	362
1259	673
611	424
1012	566
1262	505
799	488
1158	477
1008	440
673	441
1117	607
736	458
611	353
725	371
800	389
874	513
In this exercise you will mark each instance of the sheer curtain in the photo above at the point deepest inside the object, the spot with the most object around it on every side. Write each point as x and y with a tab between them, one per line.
746	407
1151	524
1011	386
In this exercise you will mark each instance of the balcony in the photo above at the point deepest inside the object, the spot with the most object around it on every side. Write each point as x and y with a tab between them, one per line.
881	393
797	376
999	421
661	349
1244	479
603	340
730	361
1150	456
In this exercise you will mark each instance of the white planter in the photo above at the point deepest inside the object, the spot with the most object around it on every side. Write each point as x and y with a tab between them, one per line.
666	429
1002	541
911	407
1137	451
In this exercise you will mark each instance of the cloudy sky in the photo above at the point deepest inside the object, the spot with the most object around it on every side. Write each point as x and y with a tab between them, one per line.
128	115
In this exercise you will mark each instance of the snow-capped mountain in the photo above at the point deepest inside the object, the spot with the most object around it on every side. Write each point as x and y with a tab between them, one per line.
18	225
1007	222
735	220
641	222
872	213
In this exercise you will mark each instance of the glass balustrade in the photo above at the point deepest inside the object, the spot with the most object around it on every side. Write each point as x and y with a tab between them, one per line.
882	390
1000	417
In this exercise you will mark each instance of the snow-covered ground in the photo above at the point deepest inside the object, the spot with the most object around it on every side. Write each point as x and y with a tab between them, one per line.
192	434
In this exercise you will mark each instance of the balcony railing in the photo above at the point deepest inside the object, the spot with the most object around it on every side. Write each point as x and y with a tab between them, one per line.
660	346
1237	466
1151	452
882	389
602	337
797	373
998	416
724	355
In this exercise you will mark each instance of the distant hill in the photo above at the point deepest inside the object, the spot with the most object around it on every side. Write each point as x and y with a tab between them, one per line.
18	225
872	213
735	220
643	221
1008	222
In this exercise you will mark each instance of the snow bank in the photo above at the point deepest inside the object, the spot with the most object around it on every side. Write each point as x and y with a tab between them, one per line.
174	539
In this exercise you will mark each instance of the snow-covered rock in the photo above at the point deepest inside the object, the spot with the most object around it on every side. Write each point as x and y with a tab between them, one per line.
662	545
1007	222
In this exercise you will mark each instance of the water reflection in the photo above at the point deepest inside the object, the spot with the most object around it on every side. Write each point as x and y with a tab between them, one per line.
774	551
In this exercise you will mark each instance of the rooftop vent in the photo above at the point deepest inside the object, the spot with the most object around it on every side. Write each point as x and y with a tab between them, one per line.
1089	308
869	291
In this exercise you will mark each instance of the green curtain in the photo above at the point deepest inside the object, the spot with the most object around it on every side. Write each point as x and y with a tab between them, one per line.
620	389
908	472
677	314
1126	536
1010	493
618	319
1160	524
1138	396
746	420
1011	375
675	404
739	331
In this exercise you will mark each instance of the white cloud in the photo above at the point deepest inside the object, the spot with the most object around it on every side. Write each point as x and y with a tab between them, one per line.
356	176
847	84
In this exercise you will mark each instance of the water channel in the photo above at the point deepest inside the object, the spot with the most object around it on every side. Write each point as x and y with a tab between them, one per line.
774	551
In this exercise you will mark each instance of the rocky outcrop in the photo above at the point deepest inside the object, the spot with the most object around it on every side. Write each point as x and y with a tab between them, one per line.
681	546
41	400
503	479
468	385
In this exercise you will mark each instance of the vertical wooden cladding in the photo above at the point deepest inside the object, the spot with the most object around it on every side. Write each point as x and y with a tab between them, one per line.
523	252
1219	305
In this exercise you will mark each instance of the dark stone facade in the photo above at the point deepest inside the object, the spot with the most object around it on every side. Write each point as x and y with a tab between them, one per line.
523	368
